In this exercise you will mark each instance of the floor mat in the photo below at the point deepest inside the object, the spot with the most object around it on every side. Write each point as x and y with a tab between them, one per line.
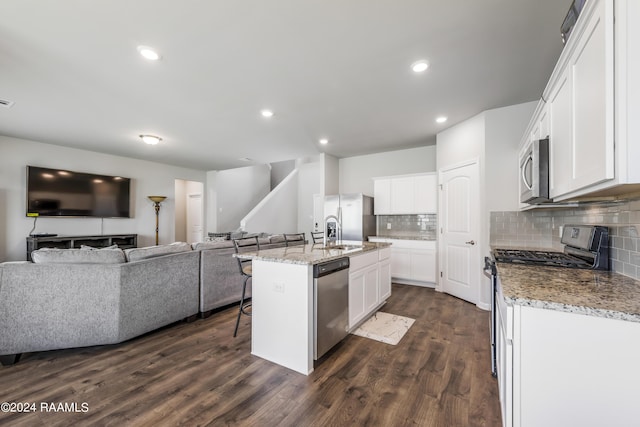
385	327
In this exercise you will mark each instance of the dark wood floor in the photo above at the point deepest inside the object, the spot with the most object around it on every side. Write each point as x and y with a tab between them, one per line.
198	374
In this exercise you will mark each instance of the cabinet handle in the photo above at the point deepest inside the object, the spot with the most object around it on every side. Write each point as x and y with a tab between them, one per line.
470	242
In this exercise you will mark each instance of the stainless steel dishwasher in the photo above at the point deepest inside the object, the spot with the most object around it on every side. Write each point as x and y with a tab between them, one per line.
331	304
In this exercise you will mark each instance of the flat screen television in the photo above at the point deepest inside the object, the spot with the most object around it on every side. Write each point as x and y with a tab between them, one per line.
60	193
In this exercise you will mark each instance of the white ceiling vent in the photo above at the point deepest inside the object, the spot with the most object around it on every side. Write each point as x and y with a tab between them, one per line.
6	103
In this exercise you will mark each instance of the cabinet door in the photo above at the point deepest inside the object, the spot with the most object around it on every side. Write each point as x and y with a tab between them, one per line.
400	263
384	280
402	193
423	265
382	196
371	288
425	194
561	135
356	297
593	156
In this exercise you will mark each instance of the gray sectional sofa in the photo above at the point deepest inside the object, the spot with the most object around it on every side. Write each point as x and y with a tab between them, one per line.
82	297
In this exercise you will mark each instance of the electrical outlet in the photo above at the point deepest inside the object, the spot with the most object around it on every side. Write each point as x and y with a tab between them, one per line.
388	226
278	287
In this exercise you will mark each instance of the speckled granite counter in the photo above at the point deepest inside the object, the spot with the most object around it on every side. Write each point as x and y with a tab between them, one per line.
312	253
407	237
594	293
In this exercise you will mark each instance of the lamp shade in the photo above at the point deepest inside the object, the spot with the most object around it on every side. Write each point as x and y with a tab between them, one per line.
157	199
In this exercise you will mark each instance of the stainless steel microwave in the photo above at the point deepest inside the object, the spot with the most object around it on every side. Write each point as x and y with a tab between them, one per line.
534	173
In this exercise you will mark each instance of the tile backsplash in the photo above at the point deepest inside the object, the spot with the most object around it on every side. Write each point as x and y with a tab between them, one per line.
540	228
421	226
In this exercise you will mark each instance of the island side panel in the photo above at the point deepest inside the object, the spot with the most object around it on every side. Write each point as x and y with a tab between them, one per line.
282	320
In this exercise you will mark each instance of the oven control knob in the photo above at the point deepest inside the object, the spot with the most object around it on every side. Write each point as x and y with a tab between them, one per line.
470	242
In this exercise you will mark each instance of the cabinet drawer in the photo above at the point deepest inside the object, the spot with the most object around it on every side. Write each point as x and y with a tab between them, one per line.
358	262
384	253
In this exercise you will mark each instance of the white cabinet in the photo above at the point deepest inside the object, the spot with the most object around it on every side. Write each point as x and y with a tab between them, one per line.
406	194
592	105
425	193
384	274
581	107
413	262
369	283
382	196
558	369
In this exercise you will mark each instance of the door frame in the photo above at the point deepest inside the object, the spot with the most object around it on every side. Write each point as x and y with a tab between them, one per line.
479	221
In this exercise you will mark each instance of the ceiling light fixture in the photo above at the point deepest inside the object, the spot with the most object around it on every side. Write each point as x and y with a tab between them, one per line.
441	119
150	139
266	113
148	53
324	141
419	66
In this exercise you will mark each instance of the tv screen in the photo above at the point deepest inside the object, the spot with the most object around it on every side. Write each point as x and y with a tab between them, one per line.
58	192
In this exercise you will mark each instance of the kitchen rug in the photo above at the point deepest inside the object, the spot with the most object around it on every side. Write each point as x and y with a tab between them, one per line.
385	327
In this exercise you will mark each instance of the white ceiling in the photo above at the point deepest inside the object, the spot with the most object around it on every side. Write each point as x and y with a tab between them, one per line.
338	69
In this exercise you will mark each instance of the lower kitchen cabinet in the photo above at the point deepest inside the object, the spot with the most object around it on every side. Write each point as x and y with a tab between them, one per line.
369	284
558	368
413	262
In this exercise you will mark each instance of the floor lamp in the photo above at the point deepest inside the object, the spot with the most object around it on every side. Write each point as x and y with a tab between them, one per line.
156	203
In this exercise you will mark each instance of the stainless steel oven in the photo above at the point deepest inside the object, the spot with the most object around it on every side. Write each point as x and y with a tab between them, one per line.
534	173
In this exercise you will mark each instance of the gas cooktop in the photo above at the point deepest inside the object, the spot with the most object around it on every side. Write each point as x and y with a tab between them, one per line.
554	259
586	246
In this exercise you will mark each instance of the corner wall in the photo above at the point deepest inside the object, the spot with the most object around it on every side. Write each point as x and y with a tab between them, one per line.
357	173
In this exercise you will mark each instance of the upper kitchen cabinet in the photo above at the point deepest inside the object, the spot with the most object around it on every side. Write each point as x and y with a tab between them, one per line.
405	194
592	98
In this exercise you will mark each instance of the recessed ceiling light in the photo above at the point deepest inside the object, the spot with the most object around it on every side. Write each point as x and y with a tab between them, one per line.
441	119
419	66
324	141
148	53
150	139
266	113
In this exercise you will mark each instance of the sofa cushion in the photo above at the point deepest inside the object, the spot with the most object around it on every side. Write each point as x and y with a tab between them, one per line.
199	246
77	256
137	254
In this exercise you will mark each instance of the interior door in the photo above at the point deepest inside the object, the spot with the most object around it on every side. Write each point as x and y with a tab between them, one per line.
459	206
195	228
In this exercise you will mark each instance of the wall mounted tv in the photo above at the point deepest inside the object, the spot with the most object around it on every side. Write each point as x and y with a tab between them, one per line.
59	193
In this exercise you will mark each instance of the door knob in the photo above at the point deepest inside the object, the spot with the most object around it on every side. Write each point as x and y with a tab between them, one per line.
470	242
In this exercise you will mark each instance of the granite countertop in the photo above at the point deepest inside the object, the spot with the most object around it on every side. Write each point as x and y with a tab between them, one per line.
408	237
312	253
594	293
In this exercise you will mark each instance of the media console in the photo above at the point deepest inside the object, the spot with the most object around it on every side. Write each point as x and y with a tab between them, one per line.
124	241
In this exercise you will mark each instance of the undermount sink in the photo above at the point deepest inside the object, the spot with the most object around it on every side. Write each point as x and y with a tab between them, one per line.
343	247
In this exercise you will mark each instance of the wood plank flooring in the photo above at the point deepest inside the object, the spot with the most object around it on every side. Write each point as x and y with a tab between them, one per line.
198	374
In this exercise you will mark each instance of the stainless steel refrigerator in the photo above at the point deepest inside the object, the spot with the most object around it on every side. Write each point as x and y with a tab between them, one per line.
355	212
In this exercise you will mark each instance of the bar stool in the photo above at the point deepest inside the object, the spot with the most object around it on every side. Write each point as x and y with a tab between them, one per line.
294	239
245	244
317	236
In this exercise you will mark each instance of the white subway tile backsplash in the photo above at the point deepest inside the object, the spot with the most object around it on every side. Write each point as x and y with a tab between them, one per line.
540	229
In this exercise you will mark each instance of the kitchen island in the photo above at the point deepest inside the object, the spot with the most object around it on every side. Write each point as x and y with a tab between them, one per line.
567	345
283	296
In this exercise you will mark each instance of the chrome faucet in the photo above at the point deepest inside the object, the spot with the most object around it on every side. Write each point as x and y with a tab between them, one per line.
338	231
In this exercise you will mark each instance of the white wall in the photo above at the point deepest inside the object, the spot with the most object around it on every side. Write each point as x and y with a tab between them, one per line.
277	213
330	179
148	178
280	170
504	129
309	183
491	137
356	173
238	191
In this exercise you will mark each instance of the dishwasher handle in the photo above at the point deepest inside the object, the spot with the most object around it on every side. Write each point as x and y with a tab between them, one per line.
325	268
